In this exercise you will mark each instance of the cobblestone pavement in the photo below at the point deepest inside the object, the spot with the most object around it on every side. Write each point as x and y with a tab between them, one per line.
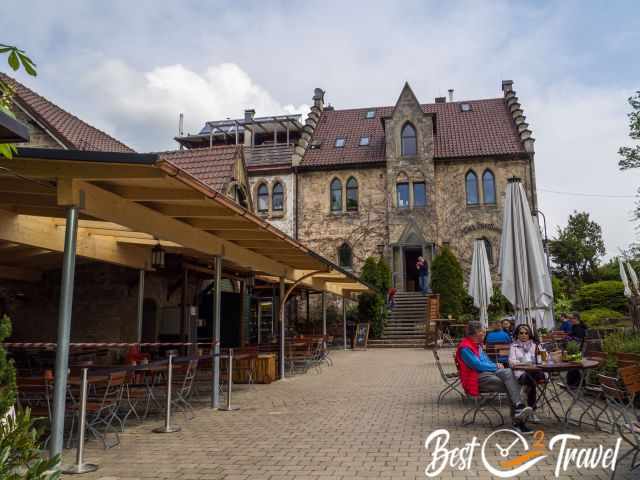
366	417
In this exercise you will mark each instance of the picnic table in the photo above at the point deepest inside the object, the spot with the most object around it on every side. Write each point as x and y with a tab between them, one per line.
551	391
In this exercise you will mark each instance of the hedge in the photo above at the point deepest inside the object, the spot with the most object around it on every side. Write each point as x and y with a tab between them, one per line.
607	294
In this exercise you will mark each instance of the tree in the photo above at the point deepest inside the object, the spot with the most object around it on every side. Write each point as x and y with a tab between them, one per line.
372	306
447	281
15	58
577	249
631	155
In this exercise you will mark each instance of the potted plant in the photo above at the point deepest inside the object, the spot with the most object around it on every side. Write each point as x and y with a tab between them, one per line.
573	352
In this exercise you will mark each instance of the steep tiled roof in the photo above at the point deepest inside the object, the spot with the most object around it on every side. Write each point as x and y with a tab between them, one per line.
67	128
488	129
213	166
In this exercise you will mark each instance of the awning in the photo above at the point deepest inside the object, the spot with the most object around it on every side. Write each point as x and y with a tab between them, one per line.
131	202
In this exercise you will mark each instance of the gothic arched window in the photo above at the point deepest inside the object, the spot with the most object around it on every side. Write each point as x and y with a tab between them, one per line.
336	195
471	181
263	198
277	197
345	256
489	187
352	194
408	140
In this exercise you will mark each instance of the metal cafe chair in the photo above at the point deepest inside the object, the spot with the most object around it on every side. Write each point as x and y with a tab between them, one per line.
451	379
625	419
484	402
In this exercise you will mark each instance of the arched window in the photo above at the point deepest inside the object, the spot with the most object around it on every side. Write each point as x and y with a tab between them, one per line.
408	140
489	248
345	256
472	188
489	187
336	195
277	197
352	194
263	198
402	190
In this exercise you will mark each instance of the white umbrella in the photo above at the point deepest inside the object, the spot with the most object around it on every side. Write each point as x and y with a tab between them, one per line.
634	278
625	280
480	284
525	279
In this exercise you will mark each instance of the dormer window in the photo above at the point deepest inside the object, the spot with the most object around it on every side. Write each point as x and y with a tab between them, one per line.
465	107
371	114
364	141
340	142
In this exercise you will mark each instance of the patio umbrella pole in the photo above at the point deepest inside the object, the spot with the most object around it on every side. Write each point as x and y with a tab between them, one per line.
80	466
167	419
64	330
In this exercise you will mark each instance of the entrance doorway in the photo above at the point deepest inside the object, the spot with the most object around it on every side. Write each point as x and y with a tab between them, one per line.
411	255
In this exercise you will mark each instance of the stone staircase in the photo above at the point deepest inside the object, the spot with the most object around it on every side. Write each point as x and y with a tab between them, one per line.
405	327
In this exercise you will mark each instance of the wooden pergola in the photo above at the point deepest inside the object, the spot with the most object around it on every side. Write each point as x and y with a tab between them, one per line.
56	205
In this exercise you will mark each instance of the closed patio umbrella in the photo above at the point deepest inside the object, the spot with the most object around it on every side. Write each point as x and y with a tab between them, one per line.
525	279
624	278
634	278
480	284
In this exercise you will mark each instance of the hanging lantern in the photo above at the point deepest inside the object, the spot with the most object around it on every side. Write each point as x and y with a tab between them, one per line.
157	257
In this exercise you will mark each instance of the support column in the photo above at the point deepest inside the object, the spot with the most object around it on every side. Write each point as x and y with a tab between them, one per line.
140	303
402	287
217	301
324	314
308	309
344	322
64	330
282	329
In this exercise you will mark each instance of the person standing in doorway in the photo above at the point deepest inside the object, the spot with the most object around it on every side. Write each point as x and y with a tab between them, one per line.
423	274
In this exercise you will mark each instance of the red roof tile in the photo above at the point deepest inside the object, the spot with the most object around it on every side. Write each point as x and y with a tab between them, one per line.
488	129
212	166
68	128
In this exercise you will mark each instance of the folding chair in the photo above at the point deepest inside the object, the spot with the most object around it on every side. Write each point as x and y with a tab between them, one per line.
182	386
624	419
482	403
102	409
451	379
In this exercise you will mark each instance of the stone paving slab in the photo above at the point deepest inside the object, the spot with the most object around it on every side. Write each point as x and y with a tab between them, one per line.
367	417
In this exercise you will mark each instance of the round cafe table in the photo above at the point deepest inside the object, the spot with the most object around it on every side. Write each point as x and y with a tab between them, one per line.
551	390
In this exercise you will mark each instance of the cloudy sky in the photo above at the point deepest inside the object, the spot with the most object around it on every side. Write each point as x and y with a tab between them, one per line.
130	68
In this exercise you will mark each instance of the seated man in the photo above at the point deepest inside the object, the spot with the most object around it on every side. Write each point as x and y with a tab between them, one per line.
499	336
566	325
479	374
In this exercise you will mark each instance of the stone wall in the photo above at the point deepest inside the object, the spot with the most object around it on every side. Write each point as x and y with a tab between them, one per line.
460	224
282	220
324	231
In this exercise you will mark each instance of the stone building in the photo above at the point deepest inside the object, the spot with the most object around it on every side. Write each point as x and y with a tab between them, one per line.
398	181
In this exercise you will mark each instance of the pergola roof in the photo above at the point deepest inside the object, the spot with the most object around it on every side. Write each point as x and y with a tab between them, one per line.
131	202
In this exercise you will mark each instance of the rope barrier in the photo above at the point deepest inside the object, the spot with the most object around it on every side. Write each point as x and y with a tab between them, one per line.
102	344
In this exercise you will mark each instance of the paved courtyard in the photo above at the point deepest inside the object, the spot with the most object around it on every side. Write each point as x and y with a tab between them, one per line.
366	417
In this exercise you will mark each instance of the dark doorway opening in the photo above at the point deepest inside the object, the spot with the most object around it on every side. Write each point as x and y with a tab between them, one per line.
411	255
149	320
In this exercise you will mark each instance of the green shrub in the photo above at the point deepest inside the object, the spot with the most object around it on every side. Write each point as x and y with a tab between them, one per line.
447	280
619	342
607	294
372	306
597	316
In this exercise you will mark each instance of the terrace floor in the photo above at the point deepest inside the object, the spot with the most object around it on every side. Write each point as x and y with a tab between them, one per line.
366	417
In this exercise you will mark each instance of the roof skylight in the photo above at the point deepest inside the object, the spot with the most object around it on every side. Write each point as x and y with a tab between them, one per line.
340	142
371	114
364	141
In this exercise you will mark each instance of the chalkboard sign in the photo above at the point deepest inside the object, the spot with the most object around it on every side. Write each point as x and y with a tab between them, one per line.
361	335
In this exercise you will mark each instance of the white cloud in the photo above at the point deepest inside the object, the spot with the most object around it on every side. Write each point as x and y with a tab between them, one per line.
150	102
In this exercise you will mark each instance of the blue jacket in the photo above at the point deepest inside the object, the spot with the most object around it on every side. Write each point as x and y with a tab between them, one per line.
498	336
481	364
566	326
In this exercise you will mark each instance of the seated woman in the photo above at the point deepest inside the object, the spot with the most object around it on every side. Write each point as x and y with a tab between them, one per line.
523	350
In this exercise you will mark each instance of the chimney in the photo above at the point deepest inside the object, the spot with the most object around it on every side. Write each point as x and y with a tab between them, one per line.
249	114
181	125
318	98
507	86
451	94
441	99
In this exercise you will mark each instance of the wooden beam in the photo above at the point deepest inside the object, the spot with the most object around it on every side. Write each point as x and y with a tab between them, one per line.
29	200
149	194
38	168
110	207
187	211
17	185
147	242
256	234
43	233
23	251
23	274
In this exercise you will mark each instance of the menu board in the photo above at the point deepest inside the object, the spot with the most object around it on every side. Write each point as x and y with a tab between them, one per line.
361	335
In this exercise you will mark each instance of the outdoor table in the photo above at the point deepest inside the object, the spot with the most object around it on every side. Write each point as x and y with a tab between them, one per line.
576	393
